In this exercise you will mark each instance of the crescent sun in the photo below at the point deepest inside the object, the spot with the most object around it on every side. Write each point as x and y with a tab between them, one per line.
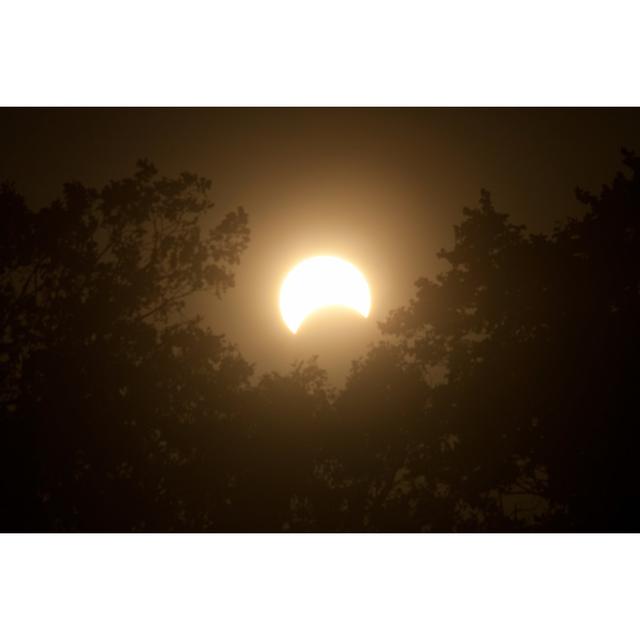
320	282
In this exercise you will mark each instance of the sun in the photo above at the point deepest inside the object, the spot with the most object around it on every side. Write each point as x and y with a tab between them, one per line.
319	282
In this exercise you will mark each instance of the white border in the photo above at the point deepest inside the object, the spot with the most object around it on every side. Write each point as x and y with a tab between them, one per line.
319	587
329	52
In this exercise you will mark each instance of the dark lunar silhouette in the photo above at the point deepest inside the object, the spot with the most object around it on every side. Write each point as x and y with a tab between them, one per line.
503	398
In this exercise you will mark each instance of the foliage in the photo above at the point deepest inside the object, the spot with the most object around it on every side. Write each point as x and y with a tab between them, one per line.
503	397
108	392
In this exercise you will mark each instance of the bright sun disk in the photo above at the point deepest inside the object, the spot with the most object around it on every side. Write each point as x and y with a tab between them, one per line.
319	282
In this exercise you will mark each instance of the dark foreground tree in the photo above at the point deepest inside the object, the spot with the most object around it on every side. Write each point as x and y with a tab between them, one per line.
108	392
534	342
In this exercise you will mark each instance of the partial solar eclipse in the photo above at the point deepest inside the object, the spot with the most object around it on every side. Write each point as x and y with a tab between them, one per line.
320	282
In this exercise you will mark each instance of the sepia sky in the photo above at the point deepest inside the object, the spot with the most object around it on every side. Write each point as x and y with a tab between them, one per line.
381	188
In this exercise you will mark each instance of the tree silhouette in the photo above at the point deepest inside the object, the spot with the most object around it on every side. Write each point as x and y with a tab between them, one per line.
506	399
503	397
96	359
538	338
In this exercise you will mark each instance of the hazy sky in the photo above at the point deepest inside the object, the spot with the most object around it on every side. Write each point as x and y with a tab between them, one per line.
379	187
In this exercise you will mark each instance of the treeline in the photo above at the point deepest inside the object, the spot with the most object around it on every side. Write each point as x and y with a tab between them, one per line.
503	397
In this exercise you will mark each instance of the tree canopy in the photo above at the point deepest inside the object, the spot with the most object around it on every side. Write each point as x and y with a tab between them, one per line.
502	397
